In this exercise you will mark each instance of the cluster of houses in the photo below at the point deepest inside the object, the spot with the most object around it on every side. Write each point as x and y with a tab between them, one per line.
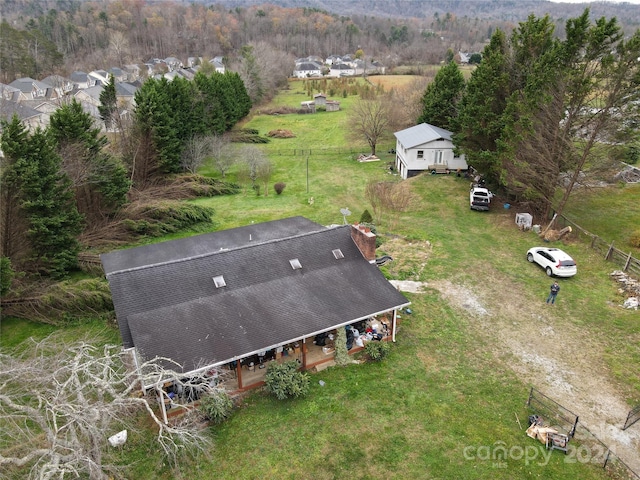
33	100
336	66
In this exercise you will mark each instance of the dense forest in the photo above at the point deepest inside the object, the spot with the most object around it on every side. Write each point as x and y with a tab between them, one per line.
44	37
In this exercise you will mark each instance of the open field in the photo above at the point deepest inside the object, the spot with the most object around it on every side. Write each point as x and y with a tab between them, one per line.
453	390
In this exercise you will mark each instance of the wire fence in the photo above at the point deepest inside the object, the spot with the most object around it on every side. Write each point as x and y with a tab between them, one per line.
633	417
584	446
625	260
327	151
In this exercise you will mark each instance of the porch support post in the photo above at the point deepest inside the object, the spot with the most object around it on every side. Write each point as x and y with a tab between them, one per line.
239	370
394	321
304	353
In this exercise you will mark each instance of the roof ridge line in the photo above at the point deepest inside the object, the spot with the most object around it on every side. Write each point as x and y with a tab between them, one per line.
221	250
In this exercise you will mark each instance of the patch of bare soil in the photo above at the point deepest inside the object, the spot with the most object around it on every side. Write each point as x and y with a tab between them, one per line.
281	133
566	363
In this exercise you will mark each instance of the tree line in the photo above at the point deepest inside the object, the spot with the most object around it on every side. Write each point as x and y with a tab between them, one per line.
68	179
538	105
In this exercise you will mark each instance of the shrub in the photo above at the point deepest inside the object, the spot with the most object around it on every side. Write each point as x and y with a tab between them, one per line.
284	380
342	354
377	351
634	241
216	406
279	187
366	217
632	154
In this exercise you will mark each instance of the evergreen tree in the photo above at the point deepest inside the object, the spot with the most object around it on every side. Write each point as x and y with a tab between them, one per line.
240	95
108	107
537	106
479	123
155	118
441	97
209	102
13	226
45	199
100	180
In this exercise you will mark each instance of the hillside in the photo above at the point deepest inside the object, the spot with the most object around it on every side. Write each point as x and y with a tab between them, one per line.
502	10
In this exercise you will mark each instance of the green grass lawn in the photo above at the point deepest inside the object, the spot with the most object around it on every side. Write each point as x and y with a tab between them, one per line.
443	403
612	213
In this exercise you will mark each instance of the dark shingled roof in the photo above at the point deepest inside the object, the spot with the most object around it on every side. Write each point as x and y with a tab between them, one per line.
169	306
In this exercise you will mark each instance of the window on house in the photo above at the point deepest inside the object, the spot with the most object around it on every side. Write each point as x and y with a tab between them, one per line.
420	153
337	253
295	264
219	281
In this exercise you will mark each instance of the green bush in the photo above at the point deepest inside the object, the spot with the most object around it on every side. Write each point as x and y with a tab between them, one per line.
377	351
285	381
216	406
634	241
279	187
632	154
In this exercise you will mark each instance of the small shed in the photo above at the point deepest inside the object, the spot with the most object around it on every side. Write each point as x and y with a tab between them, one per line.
332	106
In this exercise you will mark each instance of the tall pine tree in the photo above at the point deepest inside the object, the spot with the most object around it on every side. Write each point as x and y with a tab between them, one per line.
45	199
441	97
100	180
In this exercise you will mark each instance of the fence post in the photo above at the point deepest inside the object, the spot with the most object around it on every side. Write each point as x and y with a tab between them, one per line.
593	241
608	255
606	460
626	265
529	399
573	429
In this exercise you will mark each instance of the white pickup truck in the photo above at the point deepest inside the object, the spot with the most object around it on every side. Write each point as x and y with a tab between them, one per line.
480	198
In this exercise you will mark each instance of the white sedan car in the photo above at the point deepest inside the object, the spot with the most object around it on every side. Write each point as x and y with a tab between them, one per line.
553	260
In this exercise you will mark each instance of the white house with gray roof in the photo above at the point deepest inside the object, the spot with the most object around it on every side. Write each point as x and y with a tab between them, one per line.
426	147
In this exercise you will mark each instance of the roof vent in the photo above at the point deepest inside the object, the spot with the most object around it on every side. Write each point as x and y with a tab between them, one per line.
337	253
219	281
295	264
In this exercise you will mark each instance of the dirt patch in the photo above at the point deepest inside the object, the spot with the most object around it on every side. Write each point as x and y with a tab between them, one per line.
280	133
566	363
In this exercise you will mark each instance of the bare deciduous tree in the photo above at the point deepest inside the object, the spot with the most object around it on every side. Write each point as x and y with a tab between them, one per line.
369	119
403	105
59	404
222	157
256	167
196	150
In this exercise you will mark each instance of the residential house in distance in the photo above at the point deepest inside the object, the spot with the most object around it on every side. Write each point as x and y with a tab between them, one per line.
31	89
426	147
173	63
307	69
133	72
236	298
89	98
342	70
80	79
30	117
218	64
98	77
119	75
63	86
10	93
